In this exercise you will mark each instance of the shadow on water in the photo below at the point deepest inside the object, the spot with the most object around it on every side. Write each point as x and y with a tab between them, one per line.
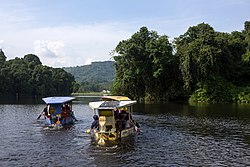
239	111
38	99
195	134
174	134
20	100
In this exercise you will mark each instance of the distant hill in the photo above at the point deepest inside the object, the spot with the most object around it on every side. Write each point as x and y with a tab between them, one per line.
96	72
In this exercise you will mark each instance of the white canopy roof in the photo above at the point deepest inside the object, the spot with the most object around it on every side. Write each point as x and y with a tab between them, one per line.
103	104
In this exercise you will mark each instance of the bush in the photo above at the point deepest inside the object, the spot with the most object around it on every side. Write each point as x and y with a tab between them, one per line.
218	90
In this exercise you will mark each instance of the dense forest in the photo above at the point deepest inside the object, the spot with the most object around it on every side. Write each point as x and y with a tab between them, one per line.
202	65
94	77
27	76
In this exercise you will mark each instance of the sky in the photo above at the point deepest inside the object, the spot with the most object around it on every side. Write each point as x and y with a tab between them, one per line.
64	33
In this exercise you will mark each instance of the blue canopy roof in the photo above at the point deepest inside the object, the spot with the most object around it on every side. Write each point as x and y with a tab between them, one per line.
57	100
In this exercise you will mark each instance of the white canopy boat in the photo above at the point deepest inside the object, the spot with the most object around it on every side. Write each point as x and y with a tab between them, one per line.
115	118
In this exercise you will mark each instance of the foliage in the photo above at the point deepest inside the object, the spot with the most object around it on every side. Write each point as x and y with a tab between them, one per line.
207	66
201	65
198	54
217	89
95	77
2	57
243	95
213	90
144	61
27	76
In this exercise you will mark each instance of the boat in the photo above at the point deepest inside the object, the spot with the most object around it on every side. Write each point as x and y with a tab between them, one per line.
58	111
115	119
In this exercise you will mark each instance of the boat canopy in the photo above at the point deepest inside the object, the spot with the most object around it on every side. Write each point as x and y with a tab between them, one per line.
57	100
115	98
110	104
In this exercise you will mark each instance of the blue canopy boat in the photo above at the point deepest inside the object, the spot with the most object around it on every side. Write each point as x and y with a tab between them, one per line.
58	111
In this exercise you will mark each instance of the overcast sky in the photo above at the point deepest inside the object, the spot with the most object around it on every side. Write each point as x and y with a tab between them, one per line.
66	33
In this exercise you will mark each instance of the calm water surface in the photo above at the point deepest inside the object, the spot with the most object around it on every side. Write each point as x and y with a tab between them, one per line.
173	135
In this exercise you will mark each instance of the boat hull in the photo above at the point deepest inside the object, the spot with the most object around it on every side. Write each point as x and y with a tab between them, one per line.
103	137
65	121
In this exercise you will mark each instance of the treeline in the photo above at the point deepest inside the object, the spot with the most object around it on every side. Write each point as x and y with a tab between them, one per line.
94	77
202	65
27	76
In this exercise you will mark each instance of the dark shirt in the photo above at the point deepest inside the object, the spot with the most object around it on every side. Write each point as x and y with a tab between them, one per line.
95	124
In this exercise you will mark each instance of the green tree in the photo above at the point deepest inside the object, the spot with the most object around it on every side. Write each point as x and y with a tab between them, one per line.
27	76
146	67
132	65
198	53
3	73
32	60
62	81
165	73
42	81
20	75
245	75
2	57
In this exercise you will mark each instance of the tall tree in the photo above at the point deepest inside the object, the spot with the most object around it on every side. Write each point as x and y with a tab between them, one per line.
145	66
2	57
197	52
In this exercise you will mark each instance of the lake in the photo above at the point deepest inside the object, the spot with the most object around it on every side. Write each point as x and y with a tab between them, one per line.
173	135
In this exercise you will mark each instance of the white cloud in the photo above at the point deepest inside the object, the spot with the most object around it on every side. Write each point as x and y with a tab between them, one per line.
1	44
29	29
66	45
88	61
43	48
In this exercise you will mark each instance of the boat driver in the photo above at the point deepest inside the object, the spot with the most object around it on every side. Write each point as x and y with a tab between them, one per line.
95	123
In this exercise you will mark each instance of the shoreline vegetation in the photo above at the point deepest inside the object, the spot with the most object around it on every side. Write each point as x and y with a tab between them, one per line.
200	66
89	94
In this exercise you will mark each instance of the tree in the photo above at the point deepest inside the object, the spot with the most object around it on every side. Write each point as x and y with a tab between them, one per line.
2	58
42	81
132	65
144	61
62	81
165	73
198	53
245	75
20	75
32	60
3	74
27	76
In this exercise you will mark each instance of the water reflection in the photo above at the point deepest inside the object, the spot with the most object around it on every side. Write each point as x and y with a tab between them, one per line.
86	99
173	135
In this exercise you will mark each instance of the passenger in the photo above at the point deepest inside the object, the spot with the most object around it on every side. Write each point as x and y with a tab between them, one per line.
72	115
121	122
95	123
45	111
64	112
127	120
116	112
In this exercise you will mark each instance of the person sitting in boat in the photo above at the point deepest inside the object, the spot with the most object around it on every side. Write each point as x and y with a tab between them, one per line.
45	111
72	115
116	112
120	122
69	112
95	123
126	115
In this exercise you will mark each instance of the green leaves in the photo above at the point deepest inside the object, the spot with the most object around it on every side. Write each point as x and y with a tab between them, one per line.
27	76
144	61
207	65
2	57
